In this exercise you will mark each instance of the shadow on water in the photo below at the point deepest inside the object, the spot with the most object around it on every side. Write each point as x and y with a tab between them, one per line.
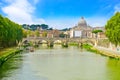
10	65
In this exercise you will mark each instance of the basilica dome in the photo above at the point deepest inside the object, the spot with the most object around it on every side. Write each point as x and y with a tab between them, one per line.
82	22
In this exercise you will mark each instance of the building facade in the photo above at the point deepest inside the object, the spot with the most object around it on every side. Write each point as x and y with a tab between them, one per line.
82	30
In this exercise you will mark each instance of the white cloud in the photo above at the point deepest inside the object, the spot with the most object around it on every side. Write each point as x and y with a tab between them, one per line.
21	11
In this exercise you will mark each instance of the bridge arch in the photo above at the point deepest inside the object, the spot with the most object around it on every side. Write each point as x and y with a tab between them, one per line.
58	41
44	41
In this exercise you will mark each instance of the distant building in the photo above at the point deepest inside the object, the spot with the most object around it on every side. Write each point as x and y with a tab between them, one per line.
56	33
53	33
101	34
50	34
82	30
99	28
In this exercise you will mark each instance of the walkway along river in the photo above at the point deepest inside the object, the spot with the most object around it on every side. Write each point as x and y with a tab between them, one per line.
60	63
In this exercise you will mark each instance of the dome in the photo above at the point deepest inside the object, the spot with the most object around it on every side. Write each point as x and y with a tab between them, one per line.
82	22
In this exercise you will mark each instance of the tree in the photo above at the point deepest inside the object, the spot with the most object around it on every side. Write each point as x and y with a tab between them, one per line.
10	32
44	26
113	29
62	35
37	33
24	33
44	34
65	29
50	29
96	32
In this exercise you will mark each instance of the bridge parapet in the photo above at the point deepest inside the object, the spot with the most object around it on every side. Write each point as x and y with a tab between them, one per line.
77	40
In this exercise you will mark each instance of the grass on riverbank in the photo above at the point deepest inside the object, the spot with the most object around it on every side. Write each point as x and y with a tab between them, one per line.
73	44
7	53
91	48
6	50
101	52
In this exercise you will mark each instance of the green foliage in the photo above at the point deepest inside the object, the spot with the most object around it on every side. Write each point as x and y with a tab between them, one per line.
96	31
25	33
44	26
44	34
34	27
7	53
10	32
73	44
50	29
113	29
87	46
37	33
90	48
62	35
65	29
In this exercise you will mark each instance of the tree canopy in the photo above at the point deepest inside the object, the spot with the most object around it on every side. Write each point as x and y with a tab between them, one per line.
10	32
62	35
113	29
96	31
34	27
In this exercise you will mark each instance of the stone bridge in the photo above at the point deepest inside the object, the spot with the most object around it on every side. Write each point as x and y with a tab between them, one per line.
76	40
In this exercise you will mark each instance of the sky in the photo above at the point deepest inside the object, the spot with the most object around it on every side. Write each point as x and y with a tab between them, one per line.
59	14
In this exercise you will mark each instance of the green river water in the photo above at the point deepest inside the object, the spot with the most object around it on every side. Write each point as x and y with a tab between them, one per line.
60	63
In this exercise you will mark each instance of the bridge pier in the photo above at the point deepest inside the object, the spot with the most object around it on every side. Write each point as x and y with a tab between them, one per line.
35	44
65	43
50	44
80	44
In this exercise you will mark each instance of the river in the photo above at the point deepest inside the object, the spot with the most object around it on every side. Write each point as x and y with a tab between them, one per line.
60	63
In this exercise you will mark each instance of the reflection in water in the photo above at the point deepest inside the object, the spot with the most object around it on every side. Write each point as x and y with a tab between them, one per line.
113	69
10	66
60	64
